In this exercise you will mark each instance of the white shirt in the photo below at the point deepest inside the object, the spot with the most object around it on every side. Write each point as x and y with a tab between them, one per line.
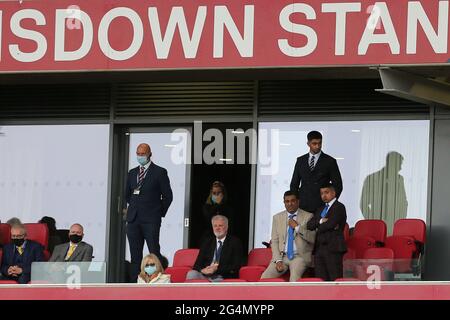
316	157
329	206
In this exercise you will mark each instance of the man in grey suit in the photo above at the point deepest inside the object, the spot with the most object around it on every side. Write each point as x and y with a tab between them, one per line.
292	242
75	250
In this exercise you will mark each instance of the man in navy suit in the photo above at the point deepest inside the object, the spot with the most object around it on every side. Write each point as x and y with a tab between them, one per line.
19	255
149	196
329	223
313	170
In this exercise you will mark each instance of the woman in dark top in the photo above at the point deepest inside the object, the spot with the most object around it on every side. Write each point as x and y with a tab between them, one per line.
215	204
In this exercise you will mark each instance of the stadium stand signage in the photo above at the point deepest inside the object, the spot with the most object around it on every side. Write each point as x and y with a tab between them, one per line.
44	35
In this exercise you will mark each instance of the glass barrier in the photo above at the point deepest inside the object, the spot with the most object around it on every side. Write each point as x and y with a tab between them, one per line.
70	273
383	269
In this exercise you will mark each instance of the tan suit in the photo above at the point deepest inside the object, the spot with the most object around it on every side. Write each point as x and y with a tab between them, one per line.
304	244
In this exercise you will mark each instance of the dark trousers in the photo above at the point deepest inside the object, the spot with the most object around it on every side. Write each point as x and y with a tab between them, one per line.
328	265
137	233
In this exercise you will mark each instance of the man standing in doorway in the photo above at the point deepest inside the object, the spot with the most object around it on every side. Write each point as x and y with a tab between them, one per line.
313	170
149	195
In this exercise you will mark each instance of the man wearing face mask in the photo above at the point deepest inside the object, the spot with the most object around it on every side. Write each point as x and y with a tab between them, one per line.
19	255
148	195
75	250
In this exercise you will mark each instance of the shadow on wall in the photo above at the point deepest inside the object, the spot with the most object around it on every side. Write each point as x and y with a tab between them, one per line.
383	194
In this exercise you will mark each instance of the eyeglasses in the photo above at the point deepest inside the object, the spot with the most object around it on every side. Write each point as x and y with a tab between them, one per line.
150	265
17	237
217	193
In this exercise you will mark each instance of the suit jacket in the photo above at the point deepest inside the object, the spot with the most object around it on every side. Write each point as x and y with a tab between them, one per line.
330	234
33	252
155	195
304	238
231	257
83	252
326	170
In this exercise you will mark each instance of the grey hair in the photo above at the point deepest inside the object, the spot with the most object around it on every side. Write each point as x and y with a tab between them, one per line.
219	216
21	227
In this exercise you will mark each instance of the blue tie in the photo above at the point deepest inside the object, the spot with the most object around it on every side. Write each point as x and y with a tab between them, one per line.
324	212
290	246
218	251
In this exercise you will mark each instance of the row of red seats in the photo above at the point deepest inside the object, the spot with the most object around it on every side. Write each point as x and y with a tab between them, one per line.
35	231
404	245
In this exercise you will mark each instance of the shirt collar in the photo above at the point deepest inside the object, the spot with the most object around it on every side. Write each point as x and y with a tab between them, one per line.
148	165
331	203
317	155
288	214
71	244
223	240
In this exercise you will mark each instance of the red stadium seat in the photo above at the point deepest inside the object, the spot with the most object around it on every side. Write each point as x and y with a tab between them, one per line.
367	234
379	253
346	279
39	232
177	274
185	257
259	257
1	256
415	228
196	280
258	260
407	242
381	257
251	273
405	250
5	233
310	280
183	262
359	245
371	228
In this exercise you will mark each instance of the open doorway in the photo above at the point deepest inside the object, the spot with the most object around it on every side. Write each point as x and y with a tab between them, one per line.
235	176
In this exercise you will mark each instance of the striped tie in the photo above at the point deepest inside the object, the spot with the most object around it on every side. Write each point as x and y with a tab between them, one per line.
141	175
311	164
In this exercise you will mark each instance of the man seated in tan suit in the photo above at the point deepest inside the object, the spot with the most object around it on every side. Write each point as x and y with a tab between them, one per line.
292	242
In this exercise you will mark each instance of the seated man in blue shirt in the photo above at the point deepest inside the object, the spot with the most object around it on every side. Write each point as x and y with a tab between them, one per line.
19	255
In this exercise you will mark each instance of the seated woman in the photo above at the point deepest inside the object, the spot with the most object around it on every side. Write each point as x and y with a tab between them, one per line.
152	271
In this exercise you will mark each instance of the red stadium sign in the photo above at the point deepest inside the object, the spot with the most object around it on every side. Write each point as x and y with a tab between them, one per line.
166	34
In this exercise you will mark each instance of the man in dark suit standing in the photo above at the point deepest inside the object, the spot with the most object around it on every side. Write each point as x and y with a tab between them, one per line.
149	195
220	257
311	171
19	255
329	223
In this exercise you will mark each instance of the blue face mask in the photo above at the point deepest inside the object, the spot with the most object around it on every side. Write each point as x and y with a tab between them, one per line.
214	199
142	160
150	270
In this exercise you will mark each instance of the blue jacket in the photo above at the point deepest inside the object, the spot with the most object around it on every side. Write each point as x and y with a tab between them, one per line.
33	252
154	198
